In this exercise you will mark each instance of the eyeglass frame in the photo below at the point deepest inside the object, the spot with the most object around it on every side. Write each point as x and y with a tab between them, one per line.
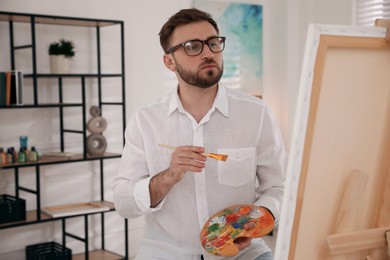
176	47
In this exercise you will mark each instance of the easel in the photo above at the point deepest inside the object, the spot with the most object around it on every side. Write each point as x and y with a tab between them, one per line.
348	241
342	124
377	240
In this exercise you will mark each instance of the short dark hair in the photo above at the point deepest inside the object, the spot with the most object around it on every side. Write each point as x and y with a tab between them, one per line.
183	17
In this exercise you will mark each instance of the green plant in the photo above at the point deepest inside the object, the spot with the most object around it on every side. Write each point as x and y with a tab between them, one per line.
62	47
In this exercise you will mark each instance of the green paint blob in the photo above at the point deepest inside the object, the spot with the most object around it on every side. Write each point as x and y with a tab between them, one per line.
213	227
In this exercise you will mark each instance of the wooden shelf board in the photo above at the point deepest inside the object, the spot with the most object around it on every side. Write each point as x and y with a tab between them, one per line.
56	20
31	216
98	255
72	209
59	159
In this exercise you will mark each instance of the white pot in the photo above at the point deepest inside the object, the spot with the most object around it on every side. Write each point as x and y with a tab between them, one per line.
59	64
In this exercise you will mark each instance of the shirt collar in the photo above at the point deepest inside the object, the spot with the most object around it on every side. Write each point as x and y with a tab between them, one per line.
220	102
174	102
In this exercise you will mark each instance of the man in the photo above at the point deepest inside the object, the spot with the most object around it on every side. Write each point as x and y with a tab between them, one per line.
179	190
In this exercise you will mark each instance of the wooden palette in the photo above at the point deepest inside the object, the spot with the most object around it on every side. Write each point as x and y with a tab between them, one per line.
221	229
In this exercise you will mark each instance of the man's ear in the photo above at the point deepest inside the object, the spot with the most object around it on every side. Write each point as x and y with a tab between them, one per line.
169	62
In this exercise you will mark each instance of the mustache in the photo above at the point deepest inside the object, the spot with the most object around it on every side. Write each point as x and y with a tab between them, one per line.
210	61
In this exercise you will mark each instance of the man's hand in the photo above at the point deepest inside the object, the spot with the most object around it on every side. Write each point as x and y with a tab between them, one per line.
244	242
184	159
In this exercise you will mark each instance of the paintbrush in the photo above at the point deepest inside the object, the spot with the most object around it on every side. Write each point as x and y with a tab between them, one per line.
220	157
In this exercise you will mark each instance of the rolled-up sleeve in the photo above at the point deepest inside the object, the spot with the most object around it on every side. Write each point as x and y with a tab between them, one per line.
271	168
131	186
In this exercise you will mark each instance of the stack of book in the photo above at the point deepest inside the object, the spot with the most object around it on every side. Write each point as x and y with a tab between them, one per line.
11	88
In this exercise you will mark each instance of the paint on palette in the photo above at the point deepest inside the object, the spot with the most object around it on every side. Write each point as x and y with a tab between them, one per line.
221	229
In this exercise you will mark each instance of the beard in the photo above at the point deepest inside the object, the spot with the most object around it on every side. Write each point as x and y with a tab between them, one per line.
211	78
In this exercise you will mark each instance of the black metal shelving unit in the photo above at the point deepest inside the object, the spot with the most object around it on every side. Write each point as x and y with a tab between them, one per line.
37	216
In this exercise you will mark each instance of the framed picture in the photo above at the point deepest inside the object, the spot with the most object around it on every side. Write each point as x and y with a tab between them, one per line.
341	134
242	25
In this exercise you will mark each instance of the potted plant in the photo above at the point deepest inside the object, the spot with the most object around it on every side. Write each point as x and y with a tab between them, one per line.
61	53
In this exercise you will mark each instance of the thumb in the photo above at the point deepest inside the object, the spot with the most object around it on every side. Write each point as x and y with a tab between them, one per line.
249	225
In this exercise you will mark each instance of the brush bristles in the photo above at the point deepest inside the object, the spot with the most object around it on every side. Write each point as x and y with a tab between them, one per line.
224	157
220	157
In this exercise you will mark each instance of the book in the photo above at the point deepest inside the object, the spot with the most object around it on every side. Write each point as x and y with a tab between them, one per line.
11	88
8	77
2	89
16	91
19	89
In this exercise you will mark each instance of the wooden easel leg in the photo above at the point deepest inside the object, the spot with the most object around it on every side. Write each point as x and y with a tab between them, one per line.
384	23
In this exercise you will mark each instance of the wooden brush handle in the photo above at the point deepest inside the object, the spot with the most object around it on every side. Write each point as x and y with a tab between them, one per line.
221	157
168	146
174	148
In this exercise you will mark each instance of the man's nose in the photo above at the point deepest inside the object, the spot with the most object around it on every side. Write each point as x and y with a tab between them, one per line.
207	53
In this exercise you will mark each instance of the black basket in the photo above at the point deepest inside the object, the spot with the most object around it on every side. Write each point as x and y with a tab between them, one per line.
12	209
48	251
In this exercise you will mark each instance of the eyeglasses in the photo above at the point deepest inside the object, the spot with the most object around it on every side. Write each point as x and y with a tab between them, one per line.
195	47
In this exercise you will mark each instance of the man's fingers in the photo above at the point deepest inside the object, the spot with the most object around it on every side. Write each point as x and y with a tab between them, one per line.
242	242
195	149
190	155
189	162
249	225
193	152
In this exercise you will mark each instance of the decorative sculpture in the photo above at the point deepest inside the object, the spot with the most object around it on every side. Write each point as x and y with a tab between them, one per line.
96	142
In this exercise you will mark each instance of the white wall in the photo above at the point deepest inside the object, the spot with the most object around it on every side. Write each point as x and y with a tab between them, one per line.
300	14
147	79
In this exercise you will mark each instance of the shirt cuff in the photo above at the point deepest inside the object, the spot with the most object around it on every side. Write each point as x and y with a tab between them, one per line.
142	196
272	205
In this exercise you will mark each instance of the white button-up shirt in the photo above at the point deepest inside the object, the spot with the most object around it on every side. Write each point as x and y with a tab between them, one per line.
239	125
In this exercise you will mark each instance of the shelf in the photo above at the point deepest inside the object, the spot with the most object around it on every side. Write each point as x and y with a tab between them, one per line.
28	106
31	216
47	160
55	105
56	20
81	208
98	81
74	75
98	255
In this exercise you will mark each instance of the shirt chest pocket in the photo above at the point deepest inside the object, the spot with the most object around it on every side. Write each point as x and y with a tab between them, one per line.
239	168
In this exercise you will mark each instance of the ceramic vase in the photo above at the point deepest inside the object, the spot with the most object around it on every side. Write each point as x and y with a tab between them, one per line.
59	64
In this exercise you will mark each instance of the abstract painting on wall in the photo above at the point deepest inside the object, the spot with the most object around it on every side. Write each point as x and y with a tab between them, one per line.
242	25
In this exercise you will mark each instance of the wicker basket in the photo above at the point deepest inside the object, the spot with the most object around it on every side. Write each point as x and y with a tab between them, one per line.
48	251
12	209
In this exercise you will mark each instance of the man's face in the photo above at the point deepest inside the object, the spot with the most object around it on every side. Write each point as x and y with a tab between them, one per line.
204	70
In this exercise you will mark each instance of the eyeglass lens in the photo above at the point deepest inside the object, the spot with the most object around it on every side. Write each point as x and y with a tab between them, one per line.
195	47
